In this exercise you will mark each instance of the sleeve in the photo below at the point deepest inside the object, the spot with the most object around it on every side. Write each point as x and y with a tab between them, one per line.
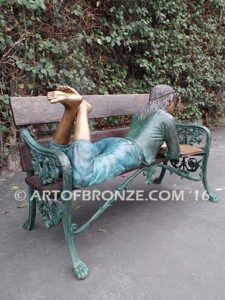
171	139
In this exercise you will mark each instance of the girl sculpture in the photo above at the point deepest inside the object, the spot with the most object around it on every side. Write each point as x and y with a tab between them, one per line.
96	162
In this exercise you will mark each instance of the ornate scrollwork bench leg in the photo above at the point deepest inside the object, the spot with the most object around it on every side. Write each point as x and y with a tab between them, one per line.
212	197
46	163
80	269
201	136
187	165
29	224
190	135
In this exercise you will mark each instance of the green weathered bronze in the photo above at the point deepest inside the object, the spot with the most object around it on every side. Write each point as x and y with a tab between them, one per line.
48	164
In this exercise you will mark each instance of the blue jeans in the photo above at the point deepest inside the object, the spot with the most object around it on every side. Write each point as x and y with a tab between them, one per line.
97	162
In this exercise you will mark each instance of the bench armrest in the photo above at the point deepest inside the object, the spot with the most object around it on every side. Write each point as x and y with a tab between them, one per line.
48	164
194	135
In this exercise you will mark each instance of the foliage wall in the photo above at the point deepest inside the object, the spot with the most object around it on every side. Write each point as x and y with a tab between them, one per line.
112	46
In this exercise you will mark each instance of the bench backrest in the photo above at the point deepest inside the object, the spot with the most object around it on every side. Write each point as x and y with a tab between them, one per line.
37	110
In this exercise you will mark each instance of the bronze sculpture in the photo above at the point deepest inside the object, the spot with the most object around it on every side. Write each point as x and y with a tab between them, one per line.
94	163
49	169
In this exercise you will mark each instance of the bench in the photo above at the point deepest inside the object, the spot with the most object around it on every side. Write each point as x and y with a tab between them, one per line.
42	164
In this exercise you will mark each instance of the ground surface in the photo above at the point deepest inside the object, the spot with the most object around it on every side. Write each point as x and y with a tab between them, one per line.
137	250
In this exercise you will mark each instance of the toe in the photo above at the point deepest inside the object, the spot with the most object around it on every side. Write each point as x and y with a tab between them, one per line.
61	88
67	89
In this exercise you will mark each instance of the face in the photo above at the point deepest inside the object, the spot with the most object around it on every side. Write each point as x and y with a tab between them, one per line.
171	107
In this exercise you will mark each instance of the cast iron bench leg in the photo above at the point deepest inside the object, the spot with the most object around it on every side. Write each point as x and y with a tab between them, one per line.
29	224
79	268
212	197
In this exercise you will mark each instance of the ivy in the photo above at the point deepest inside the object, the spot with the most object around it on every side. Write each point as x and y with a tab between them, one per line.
113	47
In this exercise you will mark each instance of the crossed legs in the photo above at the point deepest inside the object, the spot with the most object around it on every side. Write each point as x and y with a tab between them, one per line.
74	106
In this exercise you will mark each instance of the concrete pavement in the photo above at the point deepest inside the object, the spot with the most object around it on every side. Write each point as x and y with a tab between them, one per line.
173	250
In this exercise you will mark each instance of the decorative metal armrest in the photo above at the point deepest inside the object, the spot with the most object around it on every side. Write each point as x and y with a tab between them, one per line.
194	135
48	163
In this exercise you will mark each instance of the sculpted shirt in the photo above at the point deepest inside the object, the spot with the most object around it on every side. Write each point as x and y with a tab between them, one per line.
151	130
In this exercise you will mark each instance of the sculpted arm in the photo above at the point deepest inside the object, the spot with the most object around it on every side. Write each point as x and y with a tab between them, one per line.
171	139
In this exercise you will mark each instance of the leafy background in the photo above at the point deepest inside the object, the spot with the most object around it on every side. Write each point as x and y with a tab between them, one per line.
111	46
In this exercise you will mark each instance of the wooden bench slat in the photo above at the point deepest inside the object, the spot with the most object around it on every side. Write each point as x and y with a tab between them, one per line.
38	110
189	150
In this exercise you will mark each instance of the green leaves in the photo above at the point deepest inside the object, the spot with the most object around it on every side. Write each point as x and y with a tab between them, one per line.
113	47
31	4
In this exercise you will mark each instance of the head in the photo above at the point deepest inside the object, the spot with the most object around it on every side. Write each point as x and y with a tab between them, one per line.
162	97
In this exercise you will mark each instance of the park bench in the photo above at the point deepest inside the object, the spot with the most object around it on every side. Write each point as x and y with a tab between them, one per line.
42	164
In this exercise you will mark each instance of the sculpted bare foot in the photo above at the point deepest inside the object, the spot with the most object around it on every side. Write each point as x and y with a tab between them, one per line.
85	106
66	95
81	270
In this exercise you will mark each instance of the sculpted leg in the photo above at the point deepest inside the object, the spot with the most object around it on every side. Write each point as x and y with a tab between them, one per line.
82	129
